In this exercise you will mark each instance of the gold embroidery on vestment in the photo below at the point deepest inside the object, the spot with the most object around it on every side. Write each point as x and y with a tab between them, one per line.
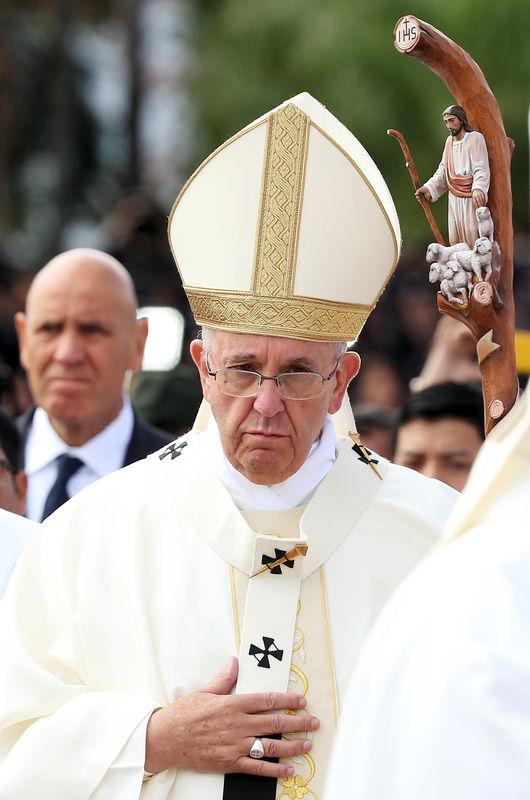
234	606
296	786
330	646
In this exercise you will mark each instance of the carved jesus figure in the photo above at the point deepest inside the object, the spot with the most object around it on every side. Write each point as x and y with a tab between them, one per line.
464	172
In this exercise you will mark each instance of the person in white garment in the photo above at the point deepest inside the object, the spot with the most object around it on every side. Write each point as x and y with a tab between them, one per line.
464	172
440	705
257	548
15	533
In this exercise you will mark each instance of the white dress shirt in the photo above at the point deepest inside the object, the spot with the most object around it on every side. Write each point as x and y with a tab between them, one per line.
102	454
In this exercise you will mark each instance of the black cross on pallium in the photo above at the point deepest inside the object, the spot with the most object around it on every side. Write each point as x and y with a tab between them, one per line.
364	454
173	450
267	651
279	554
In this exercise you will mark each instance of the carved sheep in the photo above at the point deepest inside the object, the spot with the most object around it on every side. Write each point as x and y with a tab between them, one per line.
485	223
454	283
435	272
453	280
481	258
441	253
477	259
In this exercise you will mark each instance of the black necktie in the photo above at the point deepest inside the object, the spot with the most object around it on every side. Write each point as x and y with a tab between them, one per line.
66	467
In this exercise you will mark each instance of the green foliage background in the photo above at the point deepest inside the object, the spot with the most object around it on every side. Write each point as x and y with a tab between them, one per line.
252	55
61	163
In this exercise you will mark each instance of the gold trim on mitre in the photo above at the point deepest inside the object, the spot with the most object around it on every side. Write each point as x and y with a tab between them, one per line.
293	317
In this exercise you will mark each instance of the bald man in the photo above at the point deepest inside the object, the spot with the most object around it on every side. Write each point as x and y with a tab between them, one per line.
79	337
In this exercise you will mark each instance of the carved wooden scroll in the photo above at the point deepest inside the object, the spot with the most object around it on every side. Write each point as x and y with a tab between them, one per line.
489	308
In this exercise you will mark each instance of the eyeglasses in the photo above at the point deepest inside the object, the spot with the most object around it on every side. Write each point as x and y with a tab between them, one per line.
5	467
291	385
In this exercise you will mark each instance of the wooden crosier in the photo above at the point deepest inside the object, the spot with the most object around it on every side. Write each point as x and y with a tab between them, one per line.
489	313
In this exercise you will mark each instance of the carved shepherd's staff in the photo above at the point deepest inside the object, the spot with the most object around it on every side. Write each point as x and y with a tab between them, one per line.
409	163
490	311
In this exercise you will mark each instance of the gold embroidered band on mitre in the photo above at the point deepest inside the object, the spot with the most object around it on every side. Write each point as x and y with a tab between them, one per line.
295	317
281	202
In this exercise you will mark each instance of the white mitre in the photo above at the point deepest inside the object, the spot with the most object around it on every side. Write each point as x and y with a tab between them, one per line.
287	229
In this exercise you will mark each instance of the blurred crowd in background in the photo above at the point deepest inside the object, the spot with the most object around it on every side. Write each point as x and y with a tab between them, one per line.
106	107
394	345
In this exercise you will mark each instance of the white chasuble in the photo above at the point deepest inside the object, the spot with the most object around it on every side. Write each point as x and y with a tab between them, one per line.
133	594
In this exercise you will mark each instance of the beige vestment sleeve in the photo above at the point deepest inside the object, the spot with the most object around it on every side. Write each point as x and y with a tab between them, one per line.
126	774
69	731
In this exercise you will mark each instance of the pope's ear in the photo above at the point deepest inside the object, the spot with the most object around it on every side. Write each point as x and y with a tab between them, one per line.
347	369
197	354
196	350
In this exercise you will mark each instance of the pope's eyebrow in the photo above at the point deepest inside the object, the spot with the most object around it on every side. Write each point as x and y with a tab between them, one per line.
302	361
252	358
239	358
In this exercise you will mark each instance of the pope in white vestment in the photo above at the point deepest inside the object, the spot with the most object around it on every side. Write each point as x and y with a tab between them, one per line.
440	704
268	532
145	575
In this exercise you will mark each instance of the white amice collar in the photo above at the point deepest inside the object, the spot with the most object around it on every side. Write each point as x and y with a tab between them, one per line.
293	492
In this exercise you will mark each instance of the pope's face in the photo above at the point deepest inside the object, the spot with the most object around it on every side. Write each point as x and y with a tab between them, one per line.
267	437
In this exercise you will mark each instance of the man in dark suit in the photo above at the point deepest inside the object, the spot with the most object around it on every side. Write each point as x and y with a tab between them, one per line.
79	339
